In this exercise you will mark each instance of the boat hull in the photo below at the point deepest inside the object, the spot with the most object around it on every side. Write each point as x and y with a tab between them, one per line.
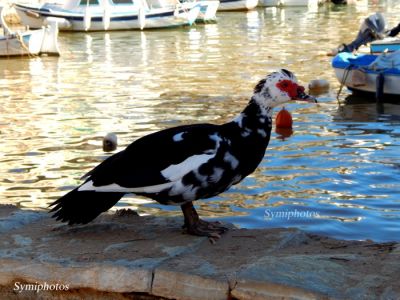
391	86
355	73
229	5
290	2
28	43
33	42
35	17
268	2
389	45
300	2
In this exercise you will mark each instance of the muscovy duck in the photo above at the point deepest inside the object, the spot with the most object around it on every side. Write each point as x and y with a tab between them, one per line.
182	164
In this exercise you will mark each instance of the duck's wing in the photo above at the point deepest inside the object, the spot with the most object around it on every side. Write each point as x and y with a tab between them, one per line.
149	166
154	162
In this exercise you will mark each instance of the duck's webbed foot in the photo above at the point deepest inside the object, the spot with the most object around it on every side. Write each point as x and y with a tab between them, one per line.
195	226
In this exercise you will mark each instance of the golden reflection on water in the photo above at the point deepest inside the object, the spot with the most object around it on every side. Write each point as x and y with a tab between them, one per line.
340	162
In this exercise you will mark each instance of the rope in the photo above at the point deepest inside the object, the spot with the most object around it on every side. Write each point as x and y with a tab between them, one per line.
343	81
20	39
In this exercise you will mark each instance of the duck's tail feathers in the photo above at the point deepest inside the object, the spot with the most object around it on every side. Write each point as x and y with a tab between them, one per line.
81	207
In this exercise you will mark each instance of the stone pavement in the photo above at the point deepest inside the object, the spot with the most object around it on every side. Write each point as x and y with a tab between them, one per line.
124	256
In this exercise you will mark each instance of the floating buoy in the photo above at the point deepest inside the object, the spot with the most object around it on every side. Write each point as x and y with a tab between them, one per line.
283	119
110	142
283	133
318	86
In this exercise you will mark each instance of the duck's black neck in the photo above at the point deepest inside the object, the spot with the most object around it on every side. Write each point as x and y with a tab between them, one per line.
249	134
254	119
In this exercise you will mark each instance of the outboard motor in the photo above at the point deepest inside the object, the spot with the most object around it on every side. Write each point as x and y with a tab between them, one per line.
373	28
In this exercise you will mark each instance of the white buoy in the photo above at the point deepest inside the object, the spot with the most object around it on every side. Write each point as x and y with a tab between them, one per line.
318	86
110	142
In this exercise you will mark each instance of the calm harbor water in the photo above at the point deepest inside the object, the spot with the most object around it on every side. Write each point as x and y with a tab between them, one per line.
337	174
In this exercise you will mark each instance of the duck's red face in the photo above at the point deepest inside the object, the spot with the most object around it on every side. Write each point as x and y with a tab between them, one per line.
289	87
295	91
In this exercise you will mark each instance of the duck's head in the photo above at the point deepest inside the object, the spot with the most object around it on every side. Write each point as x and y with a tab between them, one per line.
278	88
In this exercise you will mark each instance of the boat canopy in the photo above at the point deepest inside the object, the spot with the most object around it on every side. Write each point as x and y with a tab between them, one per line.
387	64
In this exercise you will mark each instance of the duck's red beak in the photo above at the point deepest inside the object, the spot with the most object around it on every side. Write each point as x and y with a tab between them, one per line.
302	96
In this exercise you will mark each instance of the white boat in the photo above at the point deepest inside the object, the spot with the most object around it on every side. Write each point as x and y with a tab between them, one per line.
99	15
31	42
372	74
290	2
228	5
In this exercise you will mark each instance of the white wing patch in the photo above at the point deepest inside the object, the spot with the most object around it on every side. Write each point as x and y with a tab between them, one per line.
188	192
176	172
173	174
192	163
88	186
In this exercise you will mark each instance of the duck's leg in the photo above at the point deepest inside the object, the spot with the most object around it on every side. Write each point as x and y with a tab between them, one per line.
194	225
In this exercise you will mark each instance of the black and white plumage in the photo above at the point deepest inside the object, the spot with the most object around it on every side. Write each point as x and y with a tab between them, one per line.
185	163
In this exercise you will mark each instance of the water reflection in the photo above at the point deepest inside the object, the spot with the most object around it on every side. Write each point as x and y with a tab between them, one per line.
366	108
340	162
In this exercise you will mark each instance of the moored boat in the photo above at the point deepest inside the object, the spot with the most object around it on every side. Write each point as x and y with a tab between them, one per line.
30	42
377	75
99	15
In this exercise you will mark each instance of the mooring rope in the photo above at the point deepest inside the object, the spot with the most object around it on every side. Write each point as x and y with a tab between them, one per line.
343	81
21	40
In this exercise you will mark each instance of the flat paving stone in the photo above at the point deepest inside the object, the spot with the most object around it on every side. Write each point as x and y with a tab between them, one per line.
125	254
